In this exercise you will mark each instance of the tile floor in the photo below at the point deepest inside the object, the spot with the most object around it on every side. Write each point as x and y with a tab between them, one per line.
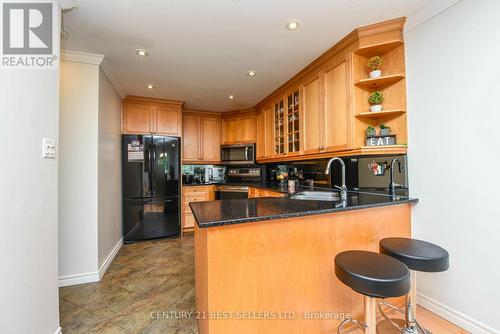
144	278
150	277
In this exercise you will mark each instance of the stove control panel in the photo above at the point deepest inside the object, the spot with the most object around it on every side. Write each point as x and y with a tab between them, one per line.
244	172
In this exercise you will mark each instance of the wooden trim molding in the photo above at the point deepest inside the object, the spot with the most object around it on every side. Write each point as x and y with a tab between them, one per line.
133	98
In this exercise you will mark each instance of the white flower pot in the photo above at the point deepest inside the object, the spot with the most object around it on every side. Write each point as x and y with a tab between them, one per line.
376	107
375	74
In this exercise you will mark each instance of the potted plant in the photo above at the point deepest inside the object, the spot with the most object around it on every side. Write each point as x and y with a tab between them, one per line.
384	130
375	63
370	132
376	98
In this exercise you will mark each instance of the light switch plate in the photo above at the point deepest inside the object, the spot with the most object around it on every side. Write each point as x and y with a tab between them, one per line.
48	148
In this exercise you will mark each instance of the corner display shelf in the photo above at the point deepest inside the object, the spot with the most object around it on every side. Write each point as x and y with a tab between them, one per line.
380	114
378	83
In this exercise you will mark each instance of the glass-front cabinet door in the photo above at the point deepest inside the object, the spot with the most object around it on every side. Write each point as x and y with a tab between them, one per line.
279	127
293	116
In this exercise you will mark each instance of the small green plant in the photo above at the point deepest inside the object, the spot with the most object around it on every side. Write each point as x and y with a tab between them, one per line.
384	130
370	131
376	98
375	63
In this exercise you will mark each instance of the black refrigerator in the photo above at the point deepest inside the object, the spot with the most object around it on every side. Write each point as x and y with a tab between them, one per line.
151	187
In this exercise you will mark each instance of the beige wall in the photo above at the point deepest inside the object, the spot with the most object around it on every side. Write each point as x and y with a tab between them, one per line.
453	110
78	171
109	169
90	173
29	111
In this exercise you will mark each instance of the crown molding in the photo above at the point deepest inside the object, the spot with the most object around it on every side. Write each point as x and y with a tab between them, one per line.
426	13
112	78
67	4
82	57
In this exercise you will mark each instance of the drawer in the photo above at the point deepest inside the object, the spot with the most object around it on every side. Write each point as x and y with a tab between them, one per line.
196	189
189	220
194	198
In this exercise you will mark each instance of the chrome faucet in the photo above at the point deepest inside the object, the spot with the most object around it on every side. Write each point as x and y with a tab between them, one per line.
343	188
393	185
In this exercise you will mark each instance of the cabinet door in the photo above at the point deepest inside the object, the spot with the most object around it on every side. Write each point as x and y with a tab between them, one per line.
230	130
260	139
336	127
246	129
168	120
191	136
137	118
210	139
269	126
312	117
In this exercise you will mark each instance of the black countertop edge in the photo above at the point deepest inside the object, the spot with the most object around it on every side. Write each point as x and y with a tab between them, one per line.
284	214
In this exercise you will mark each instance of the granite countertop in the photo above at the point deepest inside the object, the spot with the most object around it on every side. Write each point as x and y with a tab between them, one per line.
238	211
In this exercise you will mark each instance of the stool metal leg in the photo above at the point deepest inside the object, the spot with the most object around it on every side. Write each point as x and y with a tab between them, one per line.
370	315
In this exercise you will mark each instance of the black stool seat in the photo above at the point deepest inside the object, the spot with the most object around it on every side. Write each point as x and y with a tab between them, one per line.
416	254
372	274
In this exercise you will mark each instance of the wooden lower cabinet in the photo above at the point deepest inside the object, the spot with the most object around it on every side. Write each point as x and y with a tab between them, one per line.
256	192
194	194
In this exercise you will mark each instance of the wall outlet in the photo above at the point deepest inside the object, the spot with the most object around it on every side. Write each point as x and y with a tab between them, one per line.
48	148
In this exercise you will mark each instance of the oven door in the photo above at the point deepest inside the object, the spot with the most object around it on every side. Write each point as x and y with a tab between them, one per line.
231	192
238	154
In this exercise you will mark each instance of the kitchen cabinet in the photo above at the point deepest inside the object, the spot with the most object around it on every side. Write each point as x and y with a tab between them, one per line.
312	116
194	194
260	140
239	127
210	138
256	192
335	129
201	137
143	115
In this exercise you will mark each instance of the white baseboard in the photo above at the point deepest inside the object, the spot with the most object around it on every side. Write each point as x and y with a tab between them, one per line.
109	259
91	276
78	279
58	330
454	316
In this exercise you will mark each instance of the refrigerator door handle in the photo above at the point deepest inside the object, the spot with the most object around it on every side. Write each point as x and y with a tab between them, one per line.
153	175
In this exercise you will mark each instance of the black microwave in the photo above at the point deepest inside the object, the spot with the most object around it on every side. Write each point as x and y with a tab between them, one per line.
241	154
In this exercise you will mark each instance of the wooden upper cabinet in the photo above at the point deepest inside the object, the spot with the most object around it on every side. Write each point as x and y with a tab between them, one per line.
260	139
168	120
312	116
239	127
246	128
143	115
201	133
210	138
269	126
136	118
336	125
230	130
191	136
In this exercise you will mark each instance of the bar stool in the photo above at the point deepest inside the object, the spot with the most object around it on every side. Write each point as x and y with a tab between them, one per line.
374	276
417	255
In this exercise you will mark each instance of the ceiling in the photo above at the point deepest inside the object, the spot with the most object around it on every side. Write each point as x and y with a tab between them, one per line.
200	50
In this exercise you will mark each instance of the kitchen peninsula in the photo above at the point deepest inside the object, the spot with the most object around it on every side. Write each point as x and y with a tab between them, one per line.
262	258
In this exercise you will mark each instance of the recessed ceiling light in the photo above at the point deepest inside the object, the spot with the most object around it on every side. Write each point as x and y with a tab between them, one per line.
231	97
293	25
150	86
142	52
251	73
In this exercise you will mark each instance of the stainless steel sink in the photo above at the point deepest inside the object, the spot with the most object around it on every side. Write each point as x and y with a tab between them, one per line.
317	196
